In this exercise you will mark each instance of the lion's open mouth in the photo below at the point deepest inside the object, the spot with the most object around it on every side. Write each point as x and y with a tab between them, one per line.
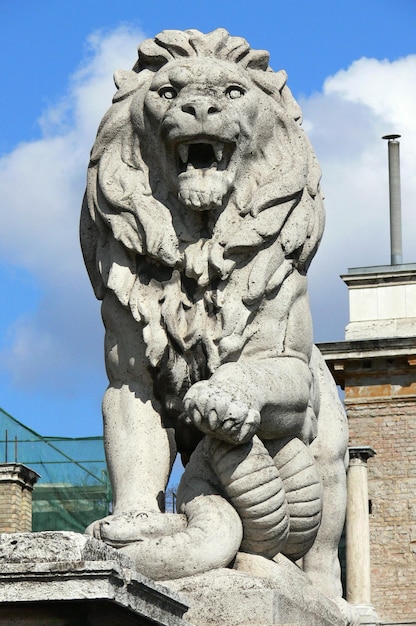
203	155
204	171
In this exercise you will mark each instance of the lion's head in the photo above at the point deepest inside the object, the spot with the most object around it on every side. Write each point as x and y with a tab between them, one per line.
208	122
199	163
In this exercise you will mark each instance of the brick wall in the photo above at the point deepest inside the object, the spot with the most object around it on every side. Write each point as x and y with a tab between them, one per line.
16	485
388	424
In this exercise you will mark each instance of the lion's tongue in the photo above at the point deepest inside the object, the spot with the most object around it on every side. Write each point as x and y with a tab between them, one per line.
202	188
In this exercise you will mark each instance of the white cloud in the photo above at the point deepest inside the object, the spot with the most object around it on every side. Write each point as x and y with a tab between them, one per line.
42	185
345	123
387	88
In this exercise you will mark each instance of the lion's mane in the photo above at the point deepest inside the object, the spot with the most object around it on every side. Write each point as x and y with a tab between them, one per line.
274	221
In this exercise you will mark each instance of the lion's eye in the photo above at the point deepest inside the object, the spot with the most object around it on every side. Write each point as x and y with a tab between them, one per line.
169	93
235	91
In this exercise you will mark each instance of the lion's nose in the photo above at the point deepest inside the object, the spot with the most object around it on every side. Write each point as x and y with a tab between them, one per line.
200	109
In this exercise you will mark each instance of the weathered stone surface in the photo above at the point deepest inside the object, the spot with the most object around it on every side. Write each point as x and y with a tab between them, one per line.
65	578
54	546
382	302
201	216
258	592
41	572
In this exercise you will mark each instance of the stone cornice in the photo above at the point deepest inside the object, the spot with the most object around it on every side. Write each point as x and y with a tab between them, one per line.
369	348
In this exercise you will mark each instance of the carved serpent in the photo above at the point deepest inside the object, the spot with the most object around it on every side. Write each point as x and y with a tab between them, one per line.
238	497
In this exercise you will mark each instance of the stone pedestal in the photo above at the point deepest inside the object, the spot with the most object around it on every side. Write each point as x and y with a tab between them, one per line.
67	579
259	592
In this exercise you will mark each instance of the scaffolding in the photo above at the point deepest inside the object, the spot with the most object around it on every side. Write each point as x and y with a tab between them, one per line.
73	489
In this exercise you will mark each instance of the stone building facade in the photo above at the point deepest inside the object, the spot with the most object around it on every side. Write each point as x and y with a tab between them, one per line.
376	367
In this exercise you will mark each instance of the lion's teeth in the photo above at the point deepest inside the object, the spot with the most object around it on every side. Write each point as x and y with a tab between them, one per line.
183	150
218	151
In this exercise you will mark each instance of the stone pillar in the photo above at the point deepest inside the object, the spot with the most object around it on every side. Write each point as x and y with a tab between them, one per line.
16	486
358	535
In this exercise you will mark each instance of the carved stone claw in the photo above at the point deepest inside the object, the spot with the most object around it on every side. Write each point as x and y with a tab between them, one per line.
217	412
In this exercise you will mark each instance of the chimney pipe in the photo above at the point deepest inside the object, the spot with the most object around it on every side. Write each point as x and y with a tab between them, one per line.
395	201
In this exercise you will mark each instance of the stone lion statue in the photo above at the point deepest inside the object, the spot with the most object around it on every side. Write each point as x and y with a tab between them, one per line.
201	217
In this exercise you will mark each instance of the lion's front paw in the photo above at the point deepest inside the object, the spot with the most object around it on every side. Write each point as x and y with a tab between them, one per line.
220	413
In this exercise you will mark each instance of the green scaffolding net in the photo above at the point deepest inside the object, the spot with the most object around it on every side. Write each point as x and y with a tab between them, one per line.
73	489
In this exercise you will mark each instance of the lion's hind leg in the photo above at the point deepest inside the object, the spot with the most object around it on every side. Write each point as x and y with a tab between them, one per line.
330	450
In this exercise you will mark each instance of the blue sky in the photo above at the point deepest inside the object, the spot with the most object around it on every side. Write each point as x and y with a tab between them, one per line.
352	67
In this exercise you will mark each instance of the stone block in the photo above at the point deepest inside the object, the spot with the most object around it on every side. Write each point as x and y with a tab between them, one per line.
67	579
259	592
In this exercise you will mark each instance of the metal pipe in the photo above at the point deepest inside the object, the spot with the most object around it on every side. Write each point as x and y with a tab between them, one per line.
395	199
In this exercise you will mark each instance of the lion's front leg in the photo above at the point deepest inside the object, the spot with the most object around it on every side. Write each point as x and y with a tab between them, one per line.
267	397
139	450
139	455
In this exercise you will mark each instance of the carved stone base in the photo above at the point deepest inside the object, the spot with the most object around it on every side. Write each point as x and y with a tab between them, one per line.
67	579
258	592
